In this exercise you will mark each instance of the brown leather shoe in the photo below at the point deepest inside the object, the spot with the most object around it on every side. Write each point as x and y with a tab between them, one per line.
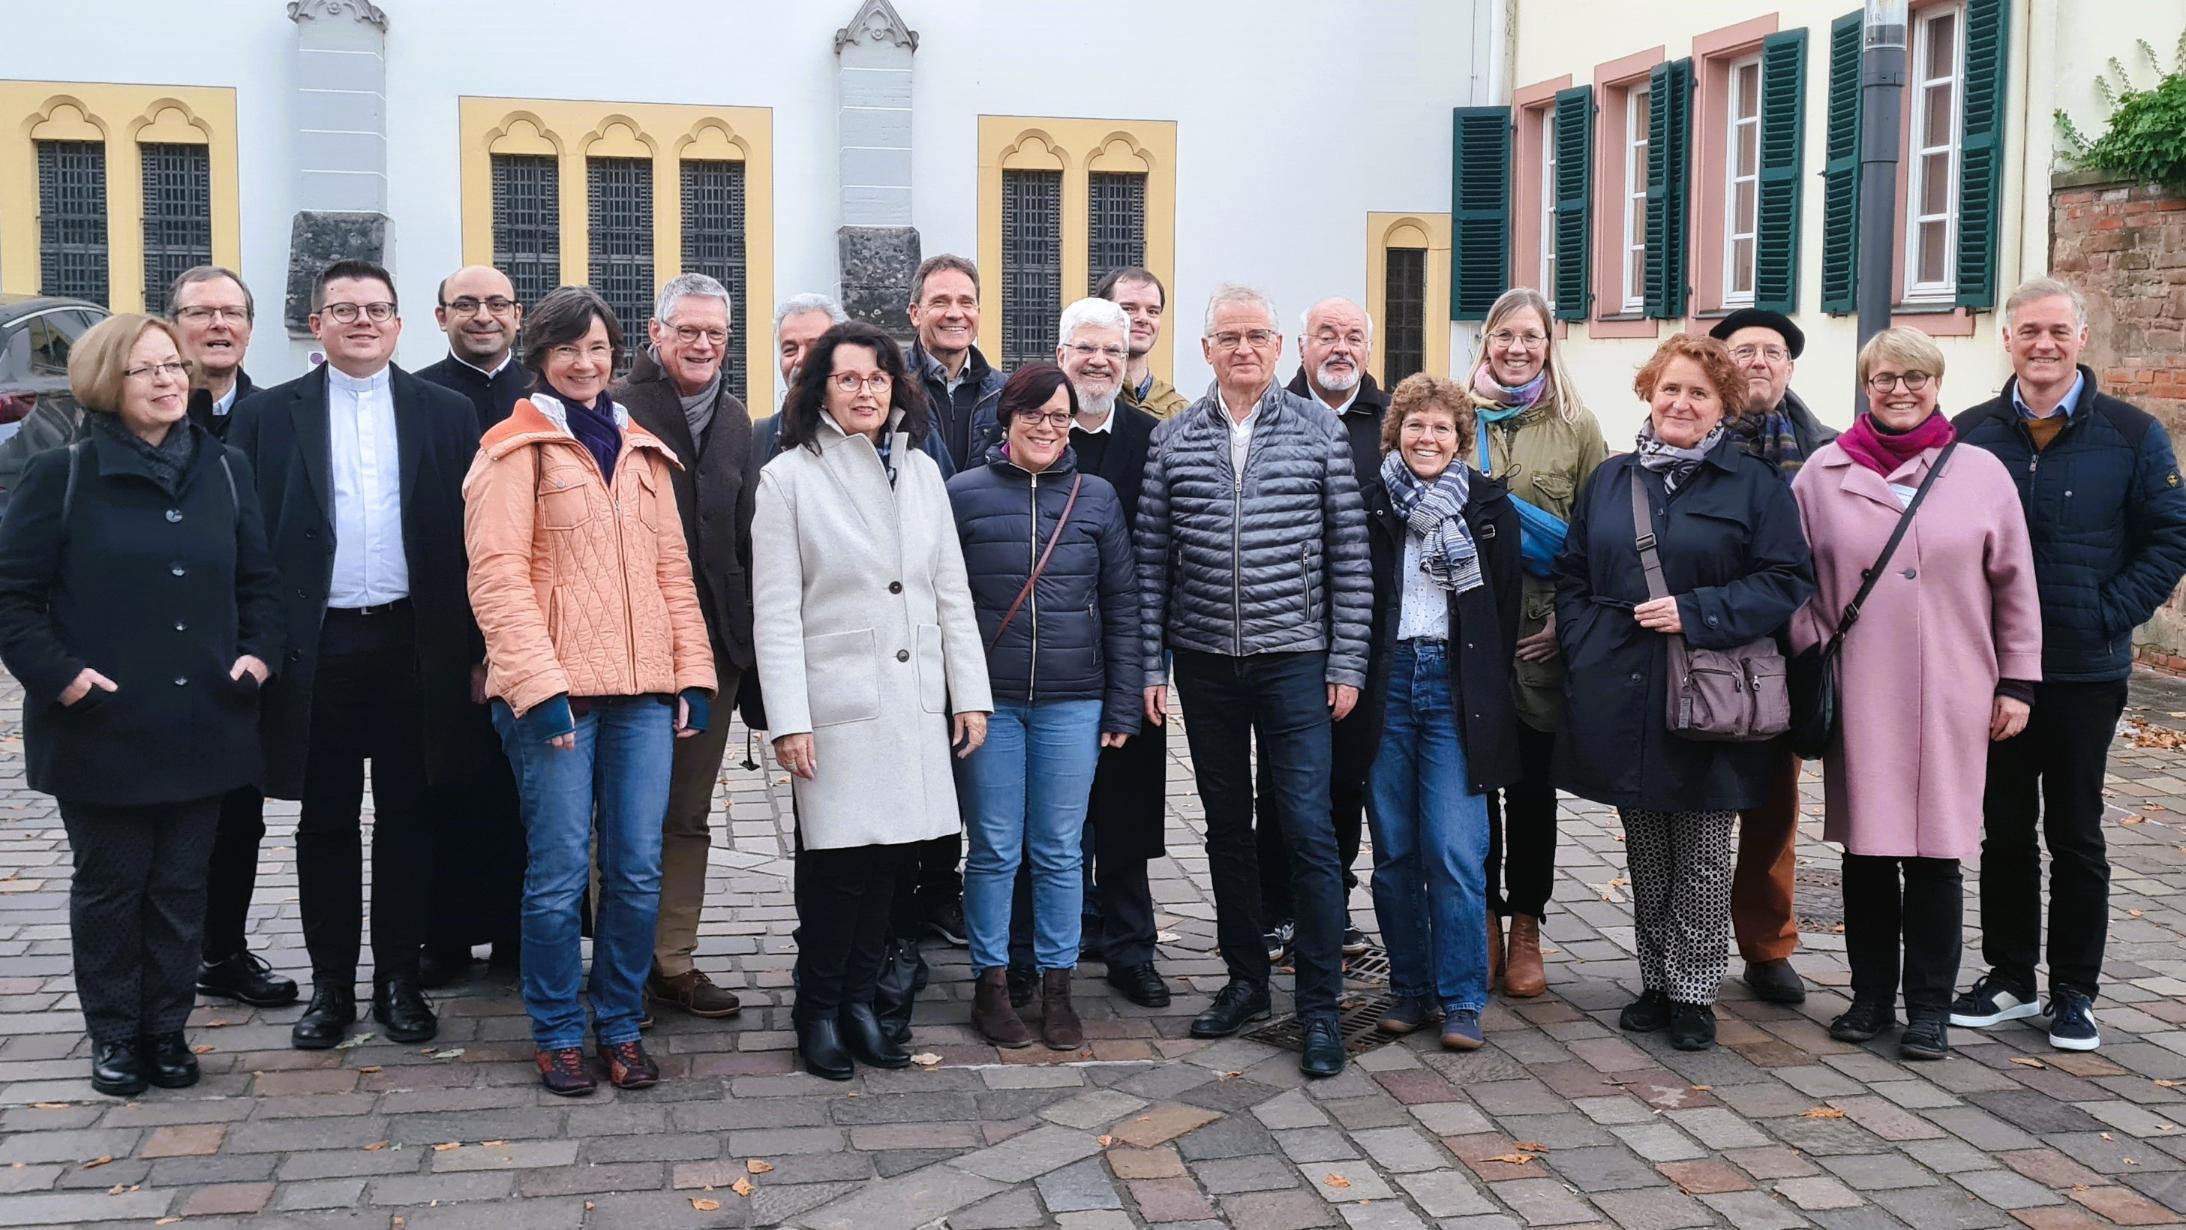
992	1015
1059	1026
695	993
563	1072
1495	947
629	1066
1523	977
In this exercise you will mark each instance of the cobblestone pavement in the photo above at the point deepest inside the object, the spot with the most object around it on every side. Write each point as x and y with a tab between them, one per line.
1560	1121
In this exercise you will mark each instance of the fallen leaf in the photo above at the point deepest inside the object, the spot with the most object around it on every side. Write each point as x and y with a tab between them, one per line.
202	1048
704	1206
2164	1084
101	1160
167	1221
926	1059
589	1206
1230	1076
742	1187
1703	1088
2129	1161
49	1105
2028	1061
2133	913
353	1041
1823	1112
2079	1187
2133	819
491	1144
1530	1146
373	1067
1513	1159
443	1148
1337	1181
758	1167
375	1146
400	1222
2153	807
117	1189
2104	1135
453	1052
1104	1141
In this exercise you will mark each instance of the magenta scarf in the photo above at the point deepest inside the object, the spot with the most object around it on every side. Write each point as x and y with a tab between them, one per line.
1883	451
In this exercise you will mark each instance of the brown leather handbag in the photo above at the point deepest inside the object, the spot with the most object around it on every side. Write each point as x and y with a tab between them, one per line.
1737	695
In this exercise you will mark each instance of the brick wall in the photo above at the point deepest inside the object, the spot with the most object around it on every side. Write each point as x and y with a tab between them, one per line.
2124	246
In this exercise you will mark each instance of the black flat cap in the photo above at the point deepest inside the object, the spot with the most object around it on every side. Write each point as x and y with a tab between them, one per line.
1761	318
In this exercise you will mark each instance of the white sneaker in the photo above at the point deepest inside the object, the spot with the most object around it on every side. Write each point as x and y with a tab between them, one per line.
1991	1003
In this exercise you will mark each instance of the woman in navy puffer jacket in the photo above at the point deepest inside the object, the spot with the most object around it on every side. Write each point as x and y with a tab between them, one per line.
1062	659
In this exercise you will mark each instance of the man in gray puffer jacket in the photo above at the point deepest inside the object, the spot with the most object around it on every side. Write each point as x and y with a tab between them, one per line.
1253	571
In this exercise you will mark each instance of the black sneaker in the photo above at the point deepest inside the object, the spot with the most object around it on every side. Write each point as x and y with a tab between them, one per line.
1279	938
946	921
1645	1015
1692	1027
2072	1021
1992	1001
1926	1037
1354	942
1862	1021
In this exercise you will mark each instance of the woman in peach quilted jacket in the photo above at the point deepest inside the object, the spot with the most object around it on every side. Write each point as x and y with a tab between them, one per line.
597	661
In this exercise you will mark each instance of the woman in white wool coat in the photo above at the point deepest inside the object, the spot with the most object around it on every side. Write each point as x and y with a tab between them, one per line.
866	642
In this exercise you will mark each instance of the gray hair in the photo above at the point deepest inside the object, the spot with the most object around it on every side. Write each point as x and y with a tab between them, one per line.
1233	292
1305	318
688	286
1094	313
2034	289
210	273
809	301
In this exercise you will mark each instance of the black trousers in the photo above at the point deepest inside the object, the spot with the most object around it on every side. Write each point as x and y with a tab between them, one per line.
478	860
365	706
232	876
1922	918
1117	920
136	912
1351	754
2051	771
1522	831
845	900
937	875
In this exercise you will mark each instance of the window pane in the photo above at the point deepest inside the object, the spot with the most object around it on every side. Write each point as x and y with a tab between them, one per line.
1935	182
48	347
1116	234
619	192
72	219
527	226
1635	272
1742	266
178	216
1749	149
713	244
1745	200
1935	124
1942	45
1405	302
1032	264
1749	89
1932	251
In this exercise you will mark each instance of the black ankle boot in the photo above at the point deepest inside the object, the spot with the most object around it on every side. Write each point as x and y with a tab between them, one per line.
868	1042
168	1062
820	1046
117	1069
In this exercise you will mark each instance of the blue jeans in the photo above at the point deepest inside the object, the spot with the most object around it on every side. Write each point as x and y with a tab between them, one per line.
1430	839
1025	793
625	745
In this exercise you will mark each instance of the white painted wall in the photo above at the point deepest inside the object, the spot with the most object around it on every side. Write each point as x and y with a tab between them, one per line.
1295	118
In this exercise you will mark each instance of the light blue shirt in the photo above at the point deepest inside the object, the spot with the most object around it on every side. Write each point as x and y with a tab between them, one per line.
2065	407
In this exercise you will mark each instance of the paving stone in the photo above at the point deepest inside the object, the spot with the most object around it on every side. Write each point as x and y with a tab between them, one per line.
903	1202
78	1208
1940	1208
188	1140
1753	1211
406	1189
1169	1200
1012	1210
1032	1154
1818	1192
1225	1176
1092	1110
2125	1206
1658	1142
1358	1181
1234	1136
510	1155
1316	1145
1078	1187
1718	1128
1380	1215
1292	1210
319	1194
1654	1210
1159	1162
1449	1118
1875	1172
1445	1193
1608	1168
1162	1123
214	1200
2006	1190
1703	1177
1291	1109
1950	1156
1544	1202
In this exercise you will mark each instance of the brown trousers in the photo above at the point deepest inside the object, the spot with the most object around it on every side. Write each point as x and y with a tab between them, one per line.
1761	887
685	839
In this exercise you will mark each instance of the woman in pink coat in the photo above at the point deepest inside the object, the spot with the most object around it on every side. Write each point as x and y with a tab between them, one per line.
1941	662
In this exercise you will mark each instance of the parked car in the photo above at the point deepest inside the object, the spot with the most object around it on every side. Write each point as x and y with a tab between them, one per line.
36	334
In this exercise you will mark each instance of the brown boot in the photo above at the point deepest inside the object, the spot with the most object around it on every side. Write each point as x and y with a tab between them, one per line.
1495	947
992	1015
1058	1019
1523	976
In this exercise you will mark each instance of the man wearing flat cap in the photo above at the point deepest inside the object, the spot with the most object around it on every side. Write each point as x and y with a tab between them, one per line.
1778	428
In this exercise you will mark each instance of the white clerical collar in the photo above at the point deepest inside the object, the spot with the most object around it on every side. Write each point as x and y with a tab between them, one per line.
498	368
377	382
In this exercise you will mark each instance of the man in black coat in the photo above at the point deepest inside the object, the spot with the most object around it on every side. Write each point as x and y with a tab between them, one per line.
359	470
676	390
213	312
478	826
2107	514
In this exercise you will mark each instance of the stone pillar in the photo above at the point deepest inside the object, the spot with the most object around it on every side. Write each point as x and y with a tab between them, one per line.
878	246
341	143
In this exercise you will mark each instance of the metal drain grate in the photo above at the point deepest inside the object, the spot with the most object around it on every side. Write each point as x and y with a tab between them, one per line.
1369	966
1818	900
1356	1020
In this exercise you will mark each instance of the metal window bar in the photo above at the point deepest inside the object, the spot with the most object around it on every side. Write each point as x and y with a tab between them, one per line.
1404	302
527	223
1032	264
72	219
178	218
620	194
713	244
1116	225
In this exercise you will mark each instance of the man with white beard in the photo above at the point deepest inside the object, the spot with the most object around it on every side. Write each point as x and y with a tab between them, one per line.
1335	343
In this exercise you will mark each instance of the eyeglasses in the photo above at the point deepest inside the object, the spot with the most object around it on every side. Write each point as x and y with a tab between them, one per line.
598	352
1508	340
1049	418
347	313
468	305
851	382
1356	339
1086	350
199	315
1748	352
1258	339
1883	382
692	335
177	370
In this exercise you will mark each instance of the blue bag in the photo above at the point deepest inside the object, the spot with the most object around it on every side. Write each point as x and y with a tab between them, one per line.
1540	532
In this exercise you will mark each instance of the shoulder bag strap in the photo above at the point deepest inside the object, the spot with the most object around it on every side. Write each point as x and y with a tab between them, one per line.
1075	483
1872	575
1643	527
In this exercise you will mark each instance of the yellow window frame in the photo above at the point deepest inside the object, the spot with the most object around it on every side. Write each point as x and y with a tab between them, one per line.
1426	231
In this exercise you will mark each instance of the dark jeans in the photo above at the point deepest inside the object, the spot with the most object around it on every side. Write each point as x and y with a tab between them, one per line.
1922	919
232	876
136	912
844	901
1351	754
1282	700
365	706
1522	831
2052	770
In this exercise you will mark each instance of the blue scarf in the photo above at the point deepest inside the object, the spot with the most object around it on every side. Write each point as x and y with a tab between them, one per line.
1435	514
594	427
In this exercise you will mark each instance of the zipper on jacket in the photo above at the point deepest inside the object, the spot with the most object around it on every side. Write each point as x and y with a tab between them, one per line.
1032	598
1237	548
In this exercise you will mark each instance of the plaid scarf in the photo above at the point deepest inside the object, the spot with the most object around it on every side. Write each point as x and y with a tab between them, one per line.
1436	513
1770	436
1673	463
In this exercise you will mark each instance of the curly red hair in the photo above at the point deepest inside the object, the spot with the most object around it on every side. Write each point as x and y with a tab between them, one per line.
1715	363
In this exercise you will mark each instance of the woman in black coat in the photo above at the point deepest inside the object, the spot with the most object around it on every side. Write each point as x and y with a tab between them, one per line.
1066	684
137	609
1438	705
1734	560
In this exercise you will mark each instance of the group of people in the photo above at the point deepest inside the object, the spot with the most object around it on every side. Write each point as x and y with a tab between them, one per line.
526	584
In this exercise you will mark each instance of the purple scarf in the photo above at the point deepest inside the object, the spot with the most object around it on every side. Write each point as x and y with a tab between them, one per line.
594	427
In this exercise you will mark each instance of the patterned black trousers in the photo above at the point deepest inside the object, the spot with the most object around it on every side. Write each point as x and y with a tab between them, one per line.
136	912
1681	898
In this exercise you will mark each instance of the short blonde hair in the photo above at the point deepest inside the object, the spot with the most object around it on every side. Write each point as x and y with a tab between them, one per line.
98	363
1910	347
1421	393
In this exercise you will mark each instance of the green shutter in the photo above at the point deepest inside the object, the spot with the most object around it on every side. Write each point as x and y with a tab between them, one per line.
1669	174
1841	171
1981	150
1479	210
1574	201
1783	145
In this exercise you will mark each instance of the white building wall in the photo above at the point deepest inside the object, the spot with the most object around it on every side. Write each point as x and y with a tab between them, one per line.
1294	119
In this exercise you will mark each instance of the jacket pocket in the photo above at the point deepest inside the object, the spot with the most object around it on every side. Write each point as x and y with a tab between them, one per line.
648	496
1305	578
561	504
1554	492
933	677
842	678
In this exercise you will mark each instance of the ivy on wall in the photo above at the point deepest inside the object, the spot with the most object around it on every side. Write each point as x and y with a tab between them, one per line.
2146	139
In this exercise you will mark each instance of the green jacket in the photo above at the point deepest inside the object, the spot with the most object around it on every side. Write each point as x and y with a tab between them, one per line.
1545	459
1162	399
